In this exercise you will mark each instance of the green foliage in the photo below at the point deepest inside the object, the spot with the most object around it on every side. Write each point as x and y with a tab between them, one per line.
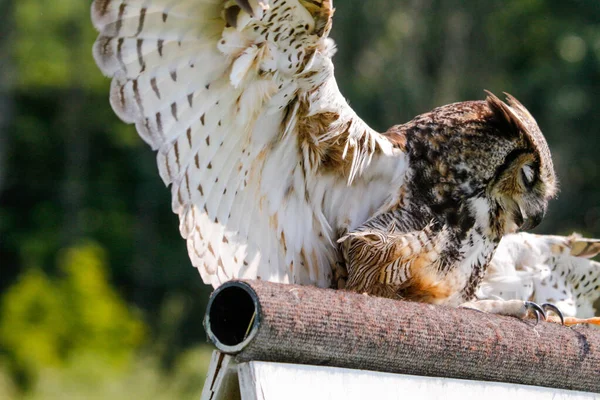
47	321
88	375
52	45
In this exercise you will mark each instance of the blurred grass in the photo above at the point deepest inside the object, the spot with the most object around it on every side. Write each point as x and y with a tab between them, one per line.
91	376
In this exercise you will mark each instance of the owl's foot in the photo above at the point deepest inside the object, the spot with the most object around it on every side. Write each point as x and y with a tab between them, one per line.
549	307
516	308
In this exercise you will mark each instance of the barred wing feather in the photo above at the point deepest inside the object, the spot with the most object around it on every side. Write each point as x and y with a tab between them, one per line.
264	156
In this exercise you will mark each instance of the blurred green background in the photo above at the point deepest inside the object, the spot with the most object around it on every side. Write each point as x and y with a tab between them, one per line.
98	298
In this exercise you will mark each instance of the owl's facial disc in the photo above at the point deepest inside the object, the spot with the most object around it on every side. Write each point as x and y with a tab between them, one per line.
520	190
533	205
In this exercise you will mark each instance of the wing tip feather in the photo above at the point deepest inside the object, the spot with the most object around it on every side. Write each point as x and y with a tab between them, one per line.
104	55
100	12
120	102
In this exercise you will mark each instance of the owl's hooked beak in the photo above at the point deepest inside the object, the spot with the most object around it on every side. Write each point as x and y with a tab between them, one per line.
533	221
532	218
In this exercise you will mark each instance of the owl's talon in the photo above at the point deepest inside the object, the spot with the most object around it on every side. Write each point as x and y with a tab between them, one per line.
539	311
555	310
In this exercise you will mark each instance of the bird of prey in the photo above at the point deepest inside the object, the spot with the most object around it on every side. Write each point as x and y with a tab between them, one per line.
274	176
543	268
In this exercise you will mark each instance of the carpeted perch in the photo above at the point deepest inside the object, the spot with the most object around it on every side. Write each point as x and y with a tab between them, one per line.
260	321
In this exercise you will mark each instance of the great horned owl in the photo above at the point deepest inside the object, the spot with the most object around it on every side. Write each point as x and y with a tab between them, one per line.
476	171
269	166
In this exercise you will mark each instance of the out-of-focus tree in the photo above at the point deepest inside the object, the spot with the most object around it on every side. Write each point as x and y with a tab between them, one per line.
6	75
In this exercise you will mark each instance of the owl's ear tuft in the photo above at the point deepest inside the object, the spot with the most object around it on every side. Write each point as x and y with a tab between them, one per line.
505	115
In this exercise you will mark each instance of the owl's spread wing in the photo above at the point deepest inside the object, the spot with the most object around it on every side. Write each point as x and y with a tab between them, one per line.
546	269
239	100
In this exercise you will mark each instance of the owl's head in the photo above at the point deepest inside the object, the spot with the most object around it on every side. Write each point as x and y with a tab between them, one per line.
482	163
524	182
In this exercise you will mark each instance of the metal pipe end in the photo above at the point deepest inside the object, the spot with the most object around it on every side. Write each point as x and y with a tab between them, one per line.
232	316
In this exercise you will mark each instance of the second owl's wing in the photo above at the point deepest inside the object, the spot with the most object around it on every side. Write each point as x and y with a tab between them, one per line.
574	279
239	100
546	269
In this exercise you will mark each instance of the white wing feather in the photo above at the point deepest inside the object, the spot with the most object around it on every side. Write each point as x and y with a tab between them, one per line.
546	269
227	108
